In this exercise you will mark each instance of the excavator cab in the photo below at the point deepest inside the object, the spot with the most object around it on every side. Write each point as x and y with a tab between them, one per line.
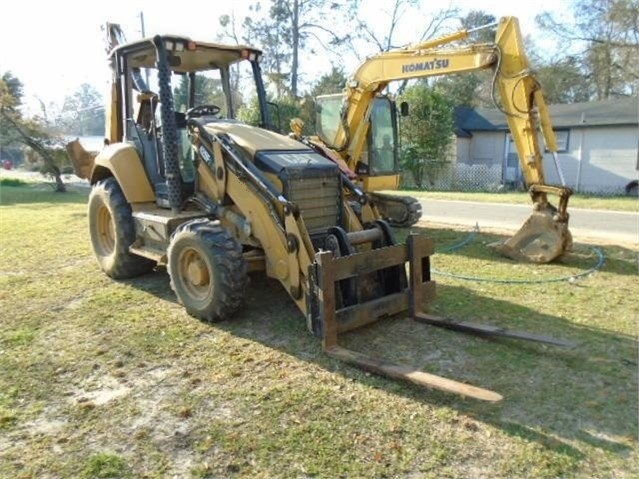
378	167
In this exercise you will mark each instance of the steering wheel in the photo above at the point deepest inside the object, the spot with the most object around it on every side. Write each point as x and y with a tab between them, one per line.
203	110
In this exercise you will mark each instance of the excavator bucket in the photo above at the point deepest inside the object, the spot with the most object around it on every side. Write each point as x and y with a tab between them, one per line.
544	236
541	239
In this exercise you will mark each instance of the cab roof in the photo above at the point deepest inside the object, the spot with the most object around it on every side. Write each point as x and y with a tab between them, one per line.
185	55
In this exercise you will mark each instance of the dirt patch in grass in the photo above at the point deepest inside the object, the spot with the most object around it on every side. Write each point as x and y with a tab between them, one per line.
103	378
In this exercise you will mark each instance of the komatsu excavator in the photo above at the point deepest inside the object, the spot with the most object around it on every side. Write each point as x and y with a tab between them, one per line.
212	198
359	128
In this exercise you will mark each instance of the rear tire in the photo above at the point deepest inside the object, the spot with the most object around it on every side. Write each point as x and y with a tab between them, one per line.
207	269
112	232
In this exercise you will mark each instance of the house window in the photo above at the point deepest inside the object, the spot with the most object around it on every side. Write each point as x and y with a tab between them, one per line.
562	140
512	160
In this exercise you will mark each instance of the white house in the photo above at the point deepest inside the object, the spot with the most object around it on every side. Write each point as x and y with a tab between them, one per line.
598	144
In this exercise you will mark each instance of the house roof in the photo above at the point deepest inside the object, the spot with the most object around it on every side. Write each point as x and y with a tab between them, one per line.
622	111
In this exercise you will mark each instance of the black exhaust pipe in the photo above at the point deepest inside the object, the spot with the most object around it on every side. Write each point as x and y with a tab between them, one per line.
169	128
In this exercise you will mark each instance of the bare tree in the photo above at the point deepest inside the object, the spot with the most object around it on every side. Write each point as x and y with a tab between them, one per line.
290	28
609	33
384	40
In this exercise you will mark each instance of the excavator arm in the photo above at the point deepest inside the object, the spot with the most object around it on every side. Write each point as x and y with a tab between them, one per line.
545	236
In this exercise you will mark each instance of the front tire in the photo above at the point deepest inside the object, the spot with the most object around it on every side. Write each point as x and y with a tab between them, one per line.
207	269
112	232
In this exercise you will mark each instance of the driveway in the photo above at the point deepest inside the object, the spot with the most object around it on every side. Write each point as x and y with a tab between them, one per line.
612	226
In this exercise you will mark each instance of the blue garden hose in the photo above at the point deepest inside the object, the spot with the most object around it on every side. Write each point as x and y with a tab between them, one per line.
470	238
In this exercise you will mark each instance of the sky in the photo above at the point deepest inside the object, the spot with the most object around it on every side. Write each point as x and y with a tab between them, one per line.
53	47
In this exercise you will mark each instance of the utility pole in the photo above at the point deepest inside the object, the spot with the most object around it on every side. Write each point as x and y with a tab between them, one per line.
142	24
146	71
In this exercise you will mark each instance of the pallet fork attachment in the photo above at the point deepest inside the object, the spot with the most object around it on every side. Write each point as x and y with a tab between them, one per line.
416	252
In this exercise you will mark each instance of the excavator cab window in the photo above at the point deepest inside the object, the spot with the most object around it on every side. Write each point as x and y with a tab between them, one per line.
327	112
382	140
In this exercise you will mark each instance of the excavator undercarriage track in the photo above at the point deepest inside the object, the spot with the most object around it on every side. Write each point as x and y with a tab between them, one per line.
399	211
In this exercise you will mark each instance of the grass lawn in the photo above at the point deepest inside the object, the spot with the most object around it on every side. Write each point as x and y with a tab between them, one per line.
577	200
104	378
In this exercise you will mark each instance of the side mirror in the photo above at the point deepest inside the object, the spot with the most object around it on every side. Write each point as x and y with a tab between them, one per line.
403	108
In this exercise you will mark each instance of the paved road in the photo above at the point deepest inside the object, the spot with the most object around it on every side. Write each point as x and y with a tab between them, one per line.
594	224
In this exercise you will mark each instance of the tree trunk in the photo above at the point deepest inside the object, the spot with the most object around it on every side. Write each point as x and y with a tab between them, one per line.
418	176
296	40
54	171
49	164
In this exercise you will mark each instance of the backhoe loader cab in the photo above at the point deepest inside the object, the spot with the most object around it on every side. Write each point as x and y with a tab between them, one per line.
193	70
133	63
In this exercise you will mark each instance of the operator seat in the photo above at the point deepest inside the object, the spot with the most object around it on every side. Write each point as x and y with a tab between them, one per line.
147	138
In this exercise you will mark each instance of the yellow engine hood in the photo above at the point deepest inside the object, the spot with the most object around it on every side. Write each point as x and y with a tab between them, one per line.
252	138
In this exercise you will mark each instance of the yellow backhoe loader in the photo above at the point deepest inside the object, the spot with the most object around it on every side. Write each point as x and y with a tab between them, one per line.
213	198
359	128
